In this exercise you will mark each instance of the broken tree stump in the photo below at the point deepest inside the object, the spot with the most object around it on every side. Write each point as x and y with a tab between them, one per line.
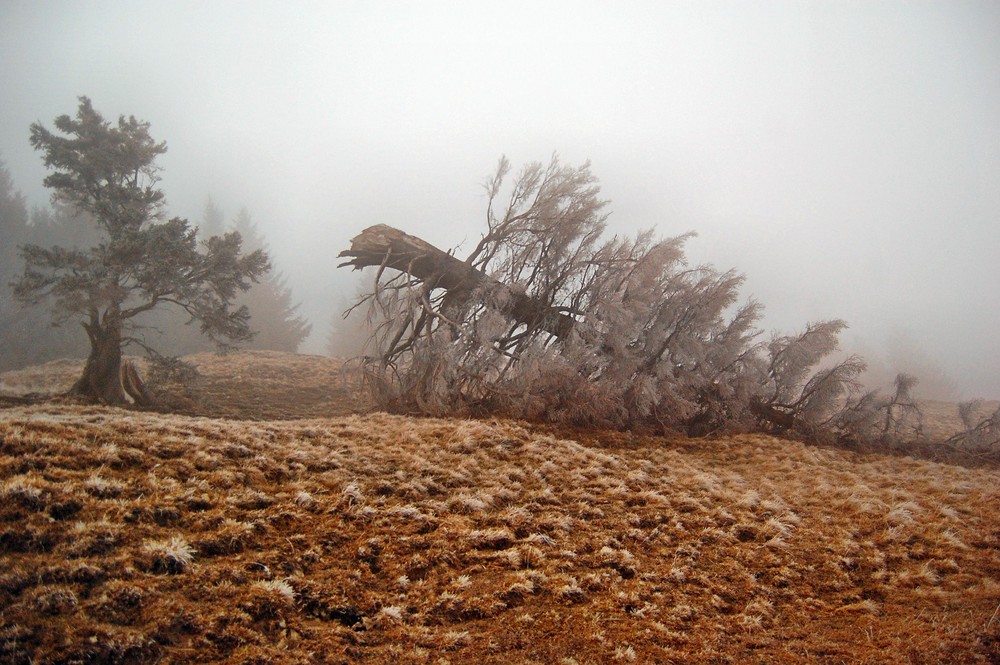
384	246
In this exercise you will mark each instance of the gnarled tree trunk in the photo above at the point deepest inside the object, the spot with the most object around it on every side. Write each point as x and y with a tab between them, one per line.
101	380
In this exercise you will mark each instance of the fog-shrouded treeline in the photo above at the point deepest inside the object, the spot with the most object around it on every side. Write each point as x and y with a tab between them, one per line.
27	334
31	335
350	330
274	314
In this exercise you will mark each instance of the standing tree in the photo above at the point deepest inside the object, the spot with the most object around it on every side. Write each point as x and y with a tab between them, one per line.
212	222
276	322
276	319
141	263
349	329
27	336
13	223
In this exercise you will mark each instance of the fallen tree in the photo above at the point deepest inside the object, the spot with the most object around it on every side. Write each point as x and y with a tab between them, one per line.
546	318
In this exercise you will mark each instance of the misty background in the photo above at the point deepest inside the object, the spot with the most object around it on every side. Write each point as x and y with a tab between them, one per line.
844	156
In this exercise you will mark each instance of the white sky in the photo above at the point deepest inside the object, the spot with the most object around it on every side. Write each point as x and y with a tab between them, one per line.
844	155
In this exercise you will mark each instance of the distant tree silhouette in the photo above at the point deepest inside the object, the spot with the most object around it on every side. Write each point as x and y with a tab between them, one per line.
13	226
274	318
213	221
27	336
13	232
279	327
349	330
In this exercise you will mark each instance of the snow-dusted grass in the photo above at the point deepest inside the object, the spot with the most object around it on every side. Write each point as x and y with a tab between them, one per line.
197	540
244	384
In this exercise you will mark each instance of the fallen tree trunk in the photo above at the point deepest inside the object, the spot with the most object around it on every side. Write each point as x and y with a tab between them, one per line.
384	246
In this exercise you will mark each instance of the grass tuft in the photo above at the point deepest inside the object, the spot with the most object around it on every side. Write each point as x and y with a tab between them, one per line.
172	556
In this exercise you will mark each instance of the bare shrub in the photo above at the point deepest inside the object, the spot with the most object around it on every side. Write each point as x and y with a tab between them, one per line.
172	381
980	433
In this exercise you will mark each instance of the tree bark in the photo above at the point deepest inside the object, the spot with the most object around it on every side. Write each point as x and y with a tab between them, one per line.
382	245
101	380
781	420
134	385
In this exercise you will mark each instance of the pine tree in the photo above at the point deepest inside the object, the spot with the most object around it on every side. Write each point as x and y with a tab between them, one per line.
27	335
276	321
13	232
109	171
213	222
349	331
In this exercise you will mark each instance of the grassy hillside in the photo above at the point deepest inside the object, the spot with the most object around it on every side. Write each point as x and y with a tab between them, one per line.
128	536
253	385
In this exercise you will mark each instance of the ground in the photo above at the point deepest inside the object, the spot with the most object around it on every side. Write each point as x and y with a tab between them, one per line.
367	537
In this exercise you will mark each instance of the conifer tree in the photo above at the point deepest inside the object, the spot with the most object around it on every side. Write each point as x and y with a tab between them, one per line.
278	325
548	318
108	170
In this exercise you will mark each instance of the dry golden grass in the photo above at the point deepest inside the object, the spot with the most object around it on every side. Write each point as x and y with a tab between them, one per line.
255	385
131	537
52	377
941	419
275	385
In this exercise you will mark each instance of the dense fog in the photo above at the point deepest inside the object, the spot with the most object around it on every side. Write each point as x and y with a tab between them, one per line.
844	156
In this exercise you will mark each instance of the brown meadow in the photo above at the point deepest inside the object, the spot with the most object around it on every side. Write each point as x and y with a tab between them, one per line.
143	537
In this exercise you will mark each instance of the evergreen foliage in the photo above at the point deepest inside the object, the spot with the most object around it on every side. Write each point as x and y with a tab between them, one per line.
276	321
